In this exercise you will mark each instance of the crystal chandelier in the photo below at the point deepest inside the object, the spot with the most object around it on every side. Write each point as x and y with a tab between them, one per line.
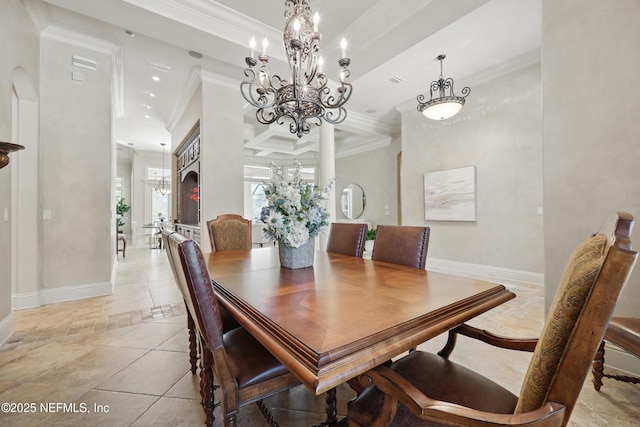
444	106
305	97
163	187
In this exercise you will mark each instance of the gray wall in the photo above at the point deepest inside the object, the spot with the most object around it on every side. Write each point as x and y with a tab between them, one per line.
591	92
76	168
376	172
19	47
499	131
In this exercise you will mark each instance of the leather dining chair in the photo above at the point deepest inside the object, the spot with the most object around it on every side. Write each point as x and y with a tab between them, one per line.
229	232
623	332
245	370
171	240
401	244
347	239
424	389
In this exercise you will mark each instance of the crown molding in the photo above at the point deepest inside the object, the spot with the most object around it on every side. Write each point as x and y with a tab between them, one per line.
213	18
364	147
195	77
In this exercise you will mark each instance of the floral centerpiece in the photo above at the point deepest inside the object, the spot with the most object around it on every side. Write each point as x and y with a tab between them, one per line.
297	210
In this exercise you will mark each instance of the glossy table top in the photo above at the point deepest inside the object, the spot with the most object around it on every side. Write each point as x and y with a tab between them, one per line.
344	315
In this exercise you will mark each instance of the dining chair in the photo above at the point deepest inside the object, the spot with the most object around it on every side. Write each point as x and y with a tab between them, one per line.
347	239
424	389
401	244
246	371
623	332
170	245
171	239
229	232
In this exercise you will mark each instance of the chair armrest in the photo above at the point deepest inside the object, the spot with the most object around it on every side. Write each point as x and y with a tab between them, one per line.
521	344
396	389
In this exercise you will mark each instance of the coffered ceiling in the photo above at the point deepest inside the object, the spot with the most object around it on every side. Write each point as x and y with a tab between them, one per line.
392	45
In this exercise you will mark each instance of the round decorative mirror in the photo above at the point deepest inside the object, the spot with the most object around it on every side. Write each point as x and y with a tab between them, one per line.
352	201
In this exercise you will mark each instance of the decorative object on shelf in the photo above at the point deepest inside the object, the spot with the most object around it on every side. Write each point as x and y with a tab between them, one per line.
195	195
443	106
121	208
297	212
163	187
5	149
304	96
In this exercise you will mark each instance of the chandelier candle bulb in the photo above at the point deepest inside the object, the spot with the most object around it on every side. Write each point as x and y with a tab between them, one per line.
265	44
252	47
316	19
320	64
343	45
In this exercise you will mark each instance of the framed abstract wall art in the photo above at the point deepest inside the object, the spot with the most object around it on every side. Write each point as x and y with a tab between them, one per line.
450	195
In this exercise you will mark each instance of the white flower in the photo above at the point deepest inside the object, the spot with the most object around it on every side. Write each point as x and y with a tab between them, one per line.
297	208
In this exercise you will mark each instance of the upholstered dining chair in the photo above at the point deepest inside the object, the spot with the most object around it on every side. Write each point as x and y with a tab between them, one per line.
229	232
228	322
423	389
245	370
347	239
170	246
623	332
401	244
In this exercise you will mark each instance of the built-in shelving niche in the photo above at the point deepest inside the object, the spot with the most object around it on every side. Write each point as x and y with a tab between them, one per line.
188	170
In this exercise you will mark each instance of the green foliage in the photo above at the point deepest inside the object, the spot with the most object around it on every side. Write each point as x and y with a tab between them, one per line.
371	234
121	208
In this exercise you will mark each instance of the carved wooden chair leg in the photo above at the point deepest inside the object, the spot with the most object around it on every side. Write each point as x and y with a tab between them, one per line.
206	386
264	409
597	367
193	344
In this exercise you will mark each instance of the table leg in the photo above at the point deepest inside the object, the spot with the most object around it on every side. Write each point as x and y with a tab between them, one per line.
331	409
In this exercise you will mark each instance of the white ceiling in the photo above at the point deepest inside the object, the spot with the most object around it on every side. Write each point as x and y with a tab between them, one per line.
481	38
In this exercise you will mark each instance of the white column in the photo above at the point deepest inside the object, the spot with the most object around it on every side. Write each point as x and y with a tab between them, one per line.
327	171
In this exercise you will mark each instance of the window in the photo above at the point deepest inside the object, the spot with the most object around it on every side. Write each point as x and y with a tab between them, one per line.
254	197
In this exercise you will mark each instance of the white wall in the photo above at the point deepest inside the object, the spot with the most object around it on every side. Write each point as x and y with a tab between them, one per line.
499	131
19	48
376	172
77	165
591	64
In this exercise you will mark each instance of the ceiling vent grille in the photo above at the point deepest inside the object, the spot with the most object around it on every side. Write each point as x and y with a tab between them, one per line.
158	66
395	79
82	62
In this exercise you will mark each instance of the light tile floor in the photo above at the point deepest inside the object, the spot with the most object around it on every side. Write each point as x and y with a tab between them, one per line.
122	360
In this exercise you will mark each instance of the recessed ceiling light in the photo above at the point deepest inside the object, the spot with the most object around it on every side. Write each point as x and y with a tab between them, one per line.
129	33
194	54
149	107
155	78
146	116
151	94
372	111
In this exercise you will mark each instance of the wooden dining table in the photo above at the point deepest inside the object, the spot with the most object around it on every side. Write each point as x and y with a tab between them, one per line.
345	315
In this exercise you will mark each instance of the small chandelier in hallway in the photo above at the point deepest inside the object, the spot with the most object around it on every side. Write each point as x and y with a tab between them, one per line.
444	106
5	149
304	97
163	187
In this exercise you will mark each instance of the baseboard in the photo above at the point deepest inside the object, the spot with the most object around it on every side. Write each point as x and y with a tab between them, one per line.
485	272
26	300
620	361
66	293
7	328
